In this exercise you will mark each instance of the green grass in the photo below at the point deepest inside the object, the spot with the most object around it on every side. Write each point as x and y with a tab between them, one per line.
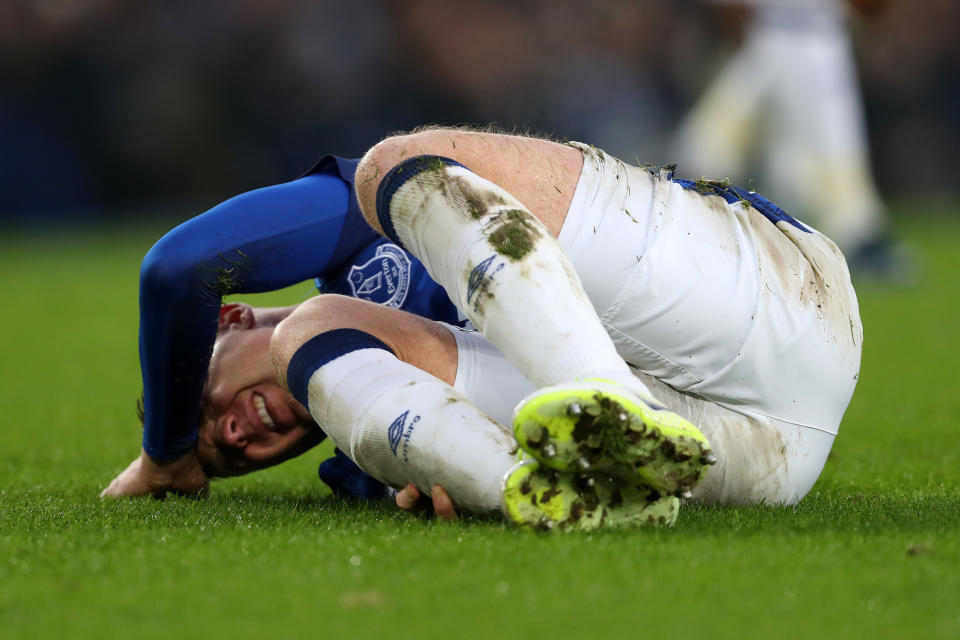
874	551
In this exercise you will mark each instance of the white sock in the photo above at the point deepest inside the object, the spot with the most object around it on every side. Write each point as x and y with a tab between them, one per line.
400	425
503	268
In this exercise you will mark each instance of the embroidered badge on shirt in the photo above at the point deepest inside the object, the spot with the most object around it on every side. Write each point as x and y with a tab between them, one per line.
384	279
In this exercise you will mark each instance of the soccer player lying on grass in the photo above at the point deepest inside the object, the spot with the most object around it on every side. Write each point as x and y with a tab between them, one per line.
572	264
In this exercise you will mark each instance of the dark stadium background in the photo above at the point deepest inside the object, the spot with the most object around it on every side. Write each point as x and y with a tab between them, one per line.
113	109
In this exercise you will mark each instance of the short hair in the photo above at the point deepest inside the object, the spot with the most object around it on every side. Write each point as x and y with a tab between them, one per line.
491	128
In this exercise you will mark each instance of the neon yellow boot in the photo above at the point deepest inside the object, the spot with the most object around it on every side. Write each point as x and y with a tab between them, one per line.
598	426
538	497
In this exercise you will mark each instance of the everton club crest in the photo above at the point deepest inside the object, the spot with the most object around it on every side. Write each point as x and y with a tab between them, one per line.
384	279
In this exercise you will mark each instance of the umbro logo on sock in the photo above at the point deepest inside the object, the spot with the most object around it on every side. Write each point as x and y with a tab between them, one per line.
479	277
400	430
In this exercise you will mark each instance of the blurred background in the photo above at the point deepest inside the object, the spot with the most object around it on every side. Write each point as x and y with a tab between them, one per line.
113	109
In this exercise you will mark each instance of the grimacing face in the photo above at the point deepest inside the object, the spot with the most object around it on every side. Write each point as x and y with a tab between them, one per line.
249	421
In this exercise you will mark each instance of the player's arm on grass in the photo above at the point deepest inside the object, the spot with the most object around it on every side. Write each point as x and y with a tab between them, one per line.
259	241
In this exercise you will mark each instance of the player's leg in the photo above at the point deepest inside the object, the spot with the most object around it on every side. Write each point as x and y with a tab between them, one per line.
504	160
503	266
499	262
535	494
362	372
817	154
350	363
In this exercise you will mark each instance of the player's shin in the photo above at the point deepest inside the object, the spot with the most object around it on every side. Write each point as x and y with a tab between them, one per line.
399	423
502	267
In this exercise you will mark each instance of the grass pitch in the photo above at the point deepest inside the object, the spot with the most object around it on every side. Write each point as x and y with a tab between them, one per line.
874	551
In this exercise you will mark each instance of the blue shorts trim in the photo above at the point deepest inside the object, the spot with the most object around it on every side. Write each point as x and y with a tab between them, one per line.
733	194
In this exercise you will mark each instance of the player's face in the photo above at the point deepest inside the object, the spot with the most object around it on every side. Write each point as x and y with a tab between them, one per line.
249	421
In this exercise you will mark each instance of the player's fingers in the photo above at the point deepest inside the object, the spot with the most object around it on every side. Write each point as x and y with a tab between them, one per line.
125	484
442	504
121	486
110	491
408	498
414	492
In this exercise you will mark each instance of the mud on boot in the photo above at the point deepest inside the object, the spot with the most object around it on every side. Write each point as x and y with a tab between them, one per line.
541	498
598	426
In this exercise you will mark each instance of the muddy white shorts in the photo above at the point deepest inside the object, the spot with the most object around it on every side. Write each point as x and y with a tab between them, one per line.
760	459
738	317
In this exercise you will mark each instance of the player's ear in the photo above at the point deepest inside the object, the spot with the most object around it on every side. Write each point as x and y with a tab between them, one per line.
236	315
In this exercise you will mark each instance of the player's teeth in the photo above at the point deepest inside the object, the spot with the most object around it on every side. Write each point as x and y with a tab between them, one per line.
261	407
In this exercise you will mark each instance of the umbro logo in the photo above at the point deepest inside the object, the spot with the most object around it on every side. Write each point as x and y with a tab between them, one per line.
400	431
480	276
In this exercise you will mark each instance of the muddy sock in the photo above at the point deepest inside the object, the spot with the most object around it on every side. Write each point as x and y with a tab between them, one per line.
502	267
399	423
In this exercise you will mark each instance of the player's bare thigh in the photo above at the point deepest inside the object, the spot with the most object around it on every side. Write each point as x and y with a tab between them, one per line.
540	173
415	340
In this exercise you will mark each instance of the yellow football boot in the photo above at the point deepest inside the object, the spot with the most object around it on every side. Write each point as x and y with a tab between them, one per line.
599	426
538	497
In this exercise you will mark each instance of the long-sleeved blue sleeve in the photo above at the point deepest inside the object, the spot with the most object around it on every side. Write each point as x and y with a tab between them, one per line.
259	241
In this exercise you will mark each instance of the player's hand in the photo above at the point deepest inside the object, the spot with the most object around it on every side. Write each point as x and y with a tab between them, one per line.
410	499
148	477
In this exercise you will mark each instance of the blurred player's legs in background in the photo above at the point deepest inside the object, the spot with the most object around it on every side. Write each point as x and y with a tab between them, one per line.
789	100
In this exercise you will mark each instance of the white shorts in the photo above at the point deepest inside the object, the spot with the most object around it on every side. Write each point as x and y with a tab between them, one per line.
713	298
747	328
759	459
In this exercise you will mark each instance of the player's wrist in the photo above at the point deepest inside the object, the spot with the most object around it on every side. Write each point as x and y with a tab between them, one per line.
183	474
170	468
169	463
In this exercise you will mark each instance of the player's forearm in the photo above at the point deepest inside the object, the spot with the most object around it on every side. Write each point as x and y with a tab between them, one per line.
178	324
263	240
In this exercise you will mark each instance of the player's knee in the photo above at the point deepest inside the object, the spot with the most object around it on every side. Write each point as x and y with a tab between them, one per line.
315	316
387	154
374	165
